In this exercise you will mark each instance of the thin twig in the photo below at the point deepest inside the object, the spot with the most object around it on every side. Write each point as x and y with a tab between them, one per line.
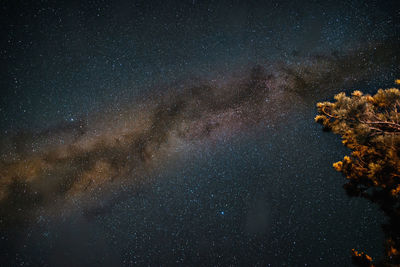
329	115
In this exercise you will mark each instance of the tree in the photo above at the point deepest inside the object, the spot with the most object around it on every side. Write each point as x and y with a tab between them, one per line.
370	127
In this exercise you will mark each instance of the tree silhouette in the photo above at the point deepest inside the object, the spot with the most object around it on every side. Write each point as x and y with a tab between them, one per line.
370	127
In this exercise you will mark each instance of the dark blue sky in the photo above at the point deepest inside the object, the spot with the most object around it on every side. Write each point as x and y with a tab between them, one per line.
182	133
64	59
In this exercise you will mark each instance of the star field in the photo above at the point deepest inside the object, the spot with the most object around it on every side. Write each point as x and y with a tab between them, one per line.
182	133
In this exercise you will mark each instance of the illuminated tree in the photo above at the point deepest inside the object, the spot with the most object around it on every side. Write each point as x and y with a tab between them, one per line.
370	127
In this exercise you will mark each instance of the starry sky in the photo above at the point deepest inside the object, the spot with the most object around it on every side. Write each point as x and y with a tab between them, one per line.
182	132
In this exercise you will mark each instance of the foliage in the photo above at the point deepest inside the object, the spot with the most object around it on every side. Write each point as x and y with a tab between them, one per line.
370	127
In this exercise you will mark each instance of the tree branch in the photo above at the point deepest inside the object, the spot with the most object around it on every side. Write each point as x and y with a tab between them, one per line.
329	115
389	124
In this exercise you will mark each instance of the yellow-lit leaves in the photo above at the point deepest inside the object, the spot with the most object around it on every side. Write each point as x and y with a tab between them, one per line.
338	166
364	122
347	159
370	127
320	118
361	259
396	191
357	93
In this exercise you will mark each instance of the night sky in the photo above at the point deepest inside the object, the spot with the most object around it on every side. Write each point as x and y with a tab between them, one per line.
182	133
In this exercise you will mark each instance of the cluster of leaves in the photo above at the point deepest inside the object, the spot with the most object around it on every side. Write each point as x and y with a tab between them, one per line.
370	127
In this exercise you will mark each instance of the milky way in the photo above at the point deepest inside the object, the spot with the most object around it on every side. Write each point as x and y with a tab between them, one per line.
74	158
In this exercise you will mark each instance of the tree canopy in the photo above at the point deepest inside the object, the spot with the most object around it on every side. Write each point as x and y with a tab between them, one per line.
370	127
